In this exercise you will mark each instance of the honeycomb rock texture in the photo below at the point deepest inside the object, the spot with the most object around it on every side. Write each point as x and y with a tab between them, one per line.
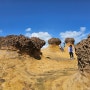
23	44
82	50
69	40
56	41
37	42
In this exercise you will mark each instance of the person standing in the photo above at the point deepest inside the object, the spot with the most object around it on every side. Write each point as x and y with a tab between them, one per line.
70	50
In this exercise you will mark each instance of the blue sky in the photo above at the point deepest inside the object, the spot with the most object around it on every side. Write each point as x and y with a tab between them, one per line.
45	18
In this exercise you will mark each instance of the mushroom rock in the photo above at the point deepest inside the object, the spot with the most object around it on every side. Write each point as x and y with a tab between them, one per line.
53	48
55	41
23	44
54	44
69	40
82	50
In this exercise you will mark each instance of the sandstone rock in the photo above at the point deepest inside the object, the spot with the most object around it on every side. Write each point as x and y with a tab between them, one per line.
56	41
83	54
37	42
23	44
69	40
2	80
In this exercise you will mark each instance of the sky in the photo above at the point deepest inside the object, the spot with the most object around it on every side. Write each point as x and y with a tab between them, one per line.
45	18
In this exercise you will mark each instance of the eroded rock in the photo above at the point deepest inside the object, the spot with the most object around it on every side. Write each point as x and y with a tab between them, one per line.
23	44
37	42
83	54
55	41
69	40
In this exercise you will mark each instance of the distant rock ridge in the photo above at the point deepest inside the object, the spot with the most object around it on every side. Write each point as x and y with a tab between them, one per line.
82	50
24	45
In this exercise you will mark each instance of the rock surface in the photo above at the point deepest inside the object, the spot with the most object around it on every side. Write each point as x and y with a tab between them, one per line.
83	54
56	41
27	73
69	40
53	72
23	44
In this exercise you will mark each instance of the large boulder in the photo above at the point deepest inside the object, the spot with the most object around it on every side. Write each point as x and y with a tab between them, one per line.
37	42
55	41
82	50
69	40
37	45
23	44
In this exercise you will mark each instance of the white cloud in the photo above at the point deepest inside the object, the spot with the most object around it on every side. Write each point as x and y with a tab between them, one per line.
42	35
77	35
28	30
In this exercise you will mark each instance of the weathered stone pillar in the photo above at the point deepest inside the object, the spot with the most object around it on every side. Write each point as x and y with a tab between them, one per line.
54	43
68	42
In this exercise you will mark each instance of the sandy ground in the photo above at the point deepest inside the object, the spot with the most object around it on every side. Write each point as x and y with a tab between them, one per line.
55	71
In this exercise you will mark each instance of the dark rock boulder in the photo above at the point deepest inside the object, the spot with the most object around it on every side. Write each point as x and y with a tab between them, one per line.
69	40
37	45
56	41
82	50
23	44
37	42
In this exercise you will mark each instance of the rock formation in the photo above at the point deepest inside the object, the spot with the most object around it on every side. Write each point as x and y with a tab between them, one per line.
83	54
55	41
38	44
54	51
53	72
69	40
23	44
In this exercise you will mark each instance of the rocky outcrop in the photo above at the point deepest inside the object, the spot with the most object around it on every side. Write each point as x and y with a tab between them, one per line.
23	44
37	45
83	54
37	42
69	40
55	41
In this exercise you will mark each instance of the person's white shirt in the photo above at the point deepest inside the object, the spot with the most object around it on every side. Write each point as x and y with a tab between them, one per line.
72	49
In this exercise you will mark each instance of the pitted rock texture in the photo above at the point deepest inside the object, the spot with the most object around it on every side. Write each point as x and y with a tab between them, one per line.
69	40
23	44
37	42
56	41
82	50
